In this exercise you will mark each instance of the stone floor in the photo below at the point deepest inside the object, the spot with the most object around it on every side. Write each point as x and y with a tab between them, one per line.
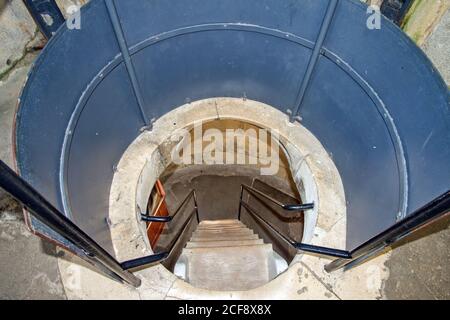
437	47
419	269
28	265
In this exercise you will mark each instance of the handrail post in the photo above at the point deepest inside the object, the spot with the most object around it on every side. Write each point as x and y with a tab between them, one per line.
326	23
196	206
240	202
120	37
45	212
182	231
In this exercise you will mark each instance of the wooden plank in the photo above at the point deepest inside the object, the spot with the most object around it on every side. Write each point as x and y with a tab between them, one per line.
154	229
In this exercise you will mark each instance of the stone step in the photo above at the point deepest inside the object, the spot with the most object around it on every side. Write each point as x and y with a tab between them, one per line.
225	238
200	233
222	231
228	268
221	228
228	236
221	223
226	255
218	244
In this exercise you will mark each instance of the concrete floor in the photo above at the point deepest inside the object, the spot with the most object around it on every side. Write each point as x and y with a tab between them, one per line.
437	47
419	269
28	264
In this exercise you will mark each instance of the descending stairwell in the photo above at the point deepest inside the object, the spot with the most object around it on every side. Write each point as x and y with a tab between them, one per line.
226	255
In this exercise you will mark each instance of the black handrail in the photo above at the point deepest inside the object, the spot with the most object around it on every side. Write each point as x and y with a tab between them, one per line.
430	213
148	218
437	209
191	194
298	245
159	257
288	207
45	212
277	190
42	210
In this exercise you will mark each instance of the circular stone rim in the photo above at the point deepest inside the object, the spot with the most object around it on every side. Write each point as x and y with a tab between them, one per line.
145	160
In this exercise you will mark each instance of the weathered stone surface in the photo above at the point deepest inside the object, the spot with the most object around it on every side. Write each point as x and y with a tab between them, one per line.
423	17
28	265
17	31
437	47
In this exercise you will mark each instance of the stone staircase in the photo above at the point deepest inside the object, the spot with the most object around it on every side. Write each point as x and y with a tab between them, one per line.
226	255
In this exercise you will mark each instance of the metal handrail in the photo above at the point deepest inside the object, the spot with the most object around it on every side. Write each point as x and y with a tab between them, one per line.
434	211
437	209
288	207
298	245
336	253
278	190
160	257
44	211
191	194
